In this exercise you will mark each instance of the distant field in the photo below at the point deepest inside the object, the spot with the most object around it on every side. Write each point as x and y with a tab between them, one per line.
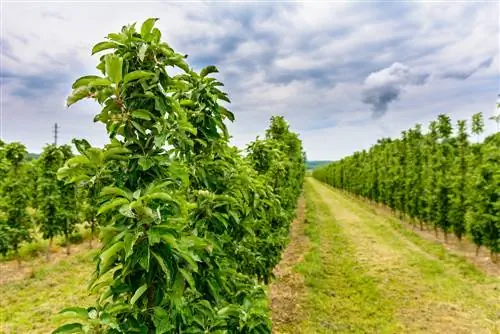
316	163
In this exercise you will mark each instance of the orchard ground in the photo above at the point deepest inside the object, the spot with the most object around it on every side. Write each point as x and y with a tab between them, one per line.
350	267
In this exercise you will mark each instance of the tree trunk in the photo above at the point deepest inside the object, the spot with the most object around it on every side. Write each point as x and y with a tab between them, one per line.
436	231
18	257
477	249
445	237
66	237
91	236
421	225
151	304
49	250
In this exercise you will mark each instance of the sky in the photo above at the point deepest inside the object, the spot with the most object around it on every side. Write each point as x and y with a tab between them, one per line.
343	74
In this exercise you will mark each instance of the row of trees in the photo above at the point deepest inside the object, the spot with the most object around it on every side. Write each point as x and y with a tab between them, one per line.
32	200
191	228
440	178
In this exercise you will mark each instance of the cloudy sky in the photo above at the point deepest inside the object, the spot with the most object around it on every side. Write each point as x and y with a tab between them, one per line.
343	74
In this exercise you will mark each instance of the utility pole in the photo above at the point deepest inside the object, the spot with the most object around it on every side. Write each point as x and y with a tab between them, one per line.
56	128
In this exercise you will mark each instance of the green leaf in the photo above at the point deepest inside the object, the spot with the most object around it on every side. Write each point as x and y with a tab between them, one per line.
137	193
144	258
120	38
147	26
161	262
187	103
138	127
69	328
108	255
161	196
223	97
109	190
113	66
77	94
190	258
207	70
142	51
137	75
170	240
161	321
126	211
188	277
142	114
103	46
146	163
138	293
155	35
226	113
78	312
153	237
129	242
84	81
109	205
99	82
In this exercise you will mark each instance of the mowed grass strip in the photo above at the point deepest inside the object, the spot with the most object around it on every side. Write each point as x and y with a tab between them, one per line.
31	305
341	297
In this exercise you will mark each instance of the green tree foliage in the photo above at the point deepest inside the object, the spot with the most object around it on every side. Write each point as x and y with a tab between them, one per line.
484	216
443	168
15	224
48	194
69	205
459	174
190	230
4	164
88	188
477	124
57	205
439	178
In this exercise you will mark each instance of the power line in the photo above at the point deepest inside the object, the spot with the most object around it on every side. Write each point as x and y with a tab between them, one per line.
56	128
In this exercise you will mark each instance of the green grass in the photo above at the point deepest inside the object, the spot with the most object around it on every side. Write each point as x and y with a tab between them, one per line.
341	297
31	305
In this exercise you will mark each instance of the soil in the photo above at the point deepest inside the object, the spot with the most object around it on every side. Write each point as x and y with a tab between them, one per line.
286	292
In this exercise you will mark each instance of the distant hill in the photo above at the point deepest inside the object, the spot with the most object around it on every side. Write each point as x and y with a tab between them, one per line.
32	156
316	163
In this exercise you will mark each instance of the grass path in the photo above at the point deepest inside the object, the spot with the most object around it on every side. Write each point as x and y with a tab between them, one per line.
365	273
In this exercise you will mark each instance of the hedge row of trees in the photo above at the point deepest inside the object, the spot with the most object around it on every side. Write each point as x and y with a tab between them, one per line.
441	178
32	200
191	228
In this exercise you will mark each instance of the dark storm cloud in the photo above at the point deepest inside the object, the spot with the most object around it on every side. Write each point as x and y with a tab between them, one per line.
221	48
43	83
385	86
462	74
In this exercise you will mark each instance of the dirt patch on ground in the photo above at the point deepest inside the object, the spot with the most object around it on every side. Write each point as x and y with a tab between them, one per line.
285	292
11	272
